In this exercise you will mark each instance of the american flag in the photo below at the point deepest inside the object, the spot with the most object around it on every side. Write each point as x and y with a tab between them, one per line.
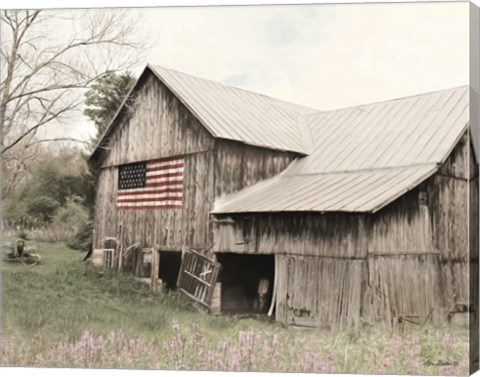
151	184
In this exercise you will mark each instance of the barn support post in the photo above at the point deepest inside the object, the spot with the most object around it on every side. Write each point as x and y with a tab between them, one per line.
155	268
120	247
274	292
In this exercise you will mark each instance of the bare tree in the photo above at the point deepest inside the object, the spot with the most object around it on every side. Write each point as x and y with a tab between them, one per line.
48	59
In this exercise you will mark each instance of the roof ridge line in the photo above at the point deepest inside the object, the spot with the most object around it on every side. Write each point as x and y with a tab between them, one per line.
163	77
314	110
465	86
365	170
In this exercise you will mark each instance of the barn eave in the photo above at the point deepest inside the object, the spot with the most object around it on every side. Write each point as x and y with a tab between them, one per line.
292	136
357	191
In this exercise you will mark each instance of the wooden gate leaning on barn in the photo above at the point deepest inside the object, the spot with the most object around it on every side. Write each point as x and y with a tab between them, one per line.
197	277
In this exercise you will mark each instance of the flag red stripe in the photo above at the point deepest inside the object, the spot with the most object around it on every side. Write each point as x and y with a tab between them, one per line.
165	159
177	174
166	167
152	207
138	200
146	192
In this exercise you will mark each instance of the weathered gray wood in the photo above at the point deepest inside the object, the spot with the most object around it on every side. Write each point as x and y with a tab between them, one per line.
197	277
319	292
331	269
405	286
403	226
155	269
157	125
336	235
238	165
413	254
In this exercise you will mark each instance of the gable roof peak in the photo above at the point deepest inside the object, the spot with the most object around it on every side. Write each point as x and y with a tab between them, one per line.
236	114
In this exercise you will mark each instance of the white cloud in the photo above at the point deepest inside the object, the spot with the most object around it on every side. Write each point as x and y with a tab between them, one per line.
323	56
330	55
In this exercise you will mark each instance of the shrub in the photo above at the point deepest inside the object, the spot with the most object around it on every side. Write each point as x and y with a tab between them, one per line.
23	235
82	239
72	214
42	207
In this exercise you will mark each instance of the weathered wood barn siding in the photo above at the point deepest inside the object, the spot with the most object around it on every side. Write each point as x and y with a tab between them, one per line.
338	269
239	165
158	125
331	269
320	261
418	252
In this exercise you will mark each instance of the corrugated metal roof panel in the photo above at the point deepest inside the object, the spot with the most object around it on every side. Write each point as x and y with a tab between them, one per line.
359	191
415	130
363	157
377	149
236	114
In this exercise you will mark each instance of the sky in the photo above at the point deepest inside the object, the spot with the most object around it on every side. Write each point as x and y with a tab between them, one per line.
322	56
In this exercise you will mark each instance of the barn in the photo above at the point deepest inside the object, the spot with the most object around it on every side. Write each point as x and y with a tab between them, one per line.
247	203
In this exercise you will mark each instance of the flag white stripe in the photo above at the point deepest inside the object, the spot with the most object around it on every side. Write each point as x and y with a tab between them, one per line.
141	189
152	196
166	171
165	179
152	203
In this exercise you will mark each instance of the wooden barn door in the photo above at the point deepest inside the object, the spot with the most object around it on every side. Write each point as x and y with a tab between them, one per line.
197	277
301	291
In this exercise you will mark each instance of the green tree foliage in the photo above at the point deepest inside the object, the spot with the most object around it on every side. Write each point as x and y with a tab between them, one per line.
42	207
82	240
53	182
48	59
57	195
105	97
58	178
102	102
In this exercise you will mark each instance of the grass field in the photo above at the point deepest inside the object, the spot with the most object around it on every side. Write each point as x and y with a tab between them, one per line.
64	312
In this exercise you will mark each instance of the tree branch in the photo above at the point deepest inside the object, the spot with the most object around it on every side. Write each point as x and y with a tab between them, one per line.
45	72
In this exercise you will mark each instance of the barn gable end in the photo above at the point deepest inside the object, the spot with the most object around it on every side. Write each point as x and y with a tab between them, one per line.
156	125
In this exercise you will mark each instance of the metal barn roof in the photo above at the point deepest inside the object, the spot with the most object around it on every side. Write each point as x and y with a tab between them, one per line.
232	113
363	157
356	191
358	159
236	114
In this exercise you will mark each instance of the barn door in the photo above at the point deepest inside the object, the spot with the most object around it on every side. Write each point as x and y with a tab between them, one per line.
301	291
197	277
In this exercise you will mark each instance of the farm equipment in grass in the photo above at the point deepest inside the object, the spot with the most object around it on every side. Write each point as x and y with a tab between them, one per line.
20	254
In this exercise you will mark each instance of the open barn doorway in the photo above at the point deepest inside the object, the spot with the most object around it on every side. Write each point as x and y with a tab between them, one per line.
246	282
170	262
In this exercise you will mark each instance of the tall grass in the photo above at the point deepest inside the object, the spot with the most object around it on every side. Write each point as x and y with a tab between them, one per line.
43	232
250	350
65	313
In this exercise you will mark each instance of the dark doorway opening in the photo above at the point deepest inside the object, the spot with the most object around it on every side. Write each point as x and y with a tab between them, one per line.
246	282
170	262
